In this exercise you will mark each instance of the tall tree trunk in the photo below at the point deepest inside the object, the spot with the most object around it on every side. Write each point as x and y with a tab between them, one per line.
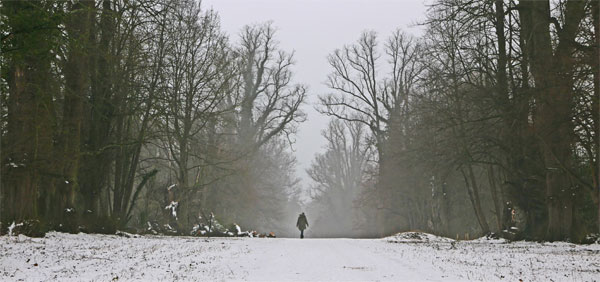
512	116
96	161
595	7
552	72
28	143
473	191
501	78
496	197
522	149
76	88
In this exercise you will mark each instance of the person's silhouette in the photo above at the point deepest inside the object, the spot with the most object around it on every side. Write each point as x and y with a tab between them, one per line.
302	223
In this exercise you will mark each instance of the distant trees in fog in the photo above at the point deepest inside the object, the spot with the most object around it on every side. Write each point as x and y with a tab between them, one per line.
489	122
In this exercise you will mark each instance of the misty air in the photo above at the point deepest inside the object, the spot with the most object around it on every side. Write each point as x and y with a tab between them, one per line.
299	140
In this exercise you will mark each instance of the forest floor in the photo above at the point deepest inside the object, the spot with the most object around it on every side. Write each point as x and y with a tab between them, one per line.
409	256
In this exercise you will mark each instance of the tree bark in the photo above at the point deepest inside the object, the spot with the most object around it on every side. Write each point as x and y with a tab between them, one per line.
473	190
496	197
28	143
95	165
595	7
76	88
552	72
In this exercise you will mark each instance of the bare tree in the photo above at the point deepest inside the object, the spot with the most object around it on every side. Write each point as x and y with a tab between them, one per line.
338	175
140	59
269	104
199	73
363	94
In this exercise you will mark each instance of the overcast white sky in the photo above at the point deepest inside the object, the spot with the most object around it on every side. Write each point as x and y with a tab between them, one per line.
313	29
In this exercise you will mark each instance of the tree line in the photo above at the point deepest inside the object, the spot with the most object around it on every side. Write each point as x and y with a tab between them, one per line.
132	114
124	114
487	123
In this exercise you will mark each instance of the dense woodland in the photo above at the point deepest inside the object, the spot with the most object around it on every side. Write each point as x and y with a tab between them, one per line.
120	113
124	114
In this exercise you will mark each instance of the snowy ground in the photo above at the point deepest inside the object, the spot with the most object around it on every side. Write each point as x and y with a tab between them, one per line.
67	257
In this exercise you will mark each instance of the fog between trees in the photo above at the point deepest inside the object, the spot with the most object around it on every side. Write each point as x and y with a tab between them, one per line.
124	115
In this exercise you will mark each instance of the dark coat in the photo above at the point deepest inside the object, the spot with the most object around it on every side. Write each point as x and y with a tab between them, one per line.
302	222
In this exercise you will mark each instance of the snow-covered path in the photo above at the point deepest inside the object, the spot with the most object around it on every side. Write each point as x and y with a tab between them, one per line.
83	257
326	259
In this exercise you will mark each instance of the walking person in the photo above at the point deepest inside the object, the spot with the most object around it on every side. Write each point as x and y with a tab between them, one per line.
302	223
